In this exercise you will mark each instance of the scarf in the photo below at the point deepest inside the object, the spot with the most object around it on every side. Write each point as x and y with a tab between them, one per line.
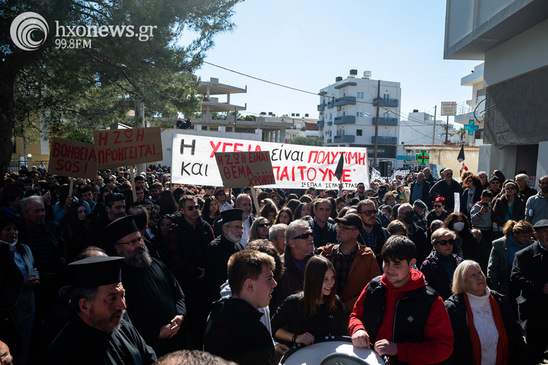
503	354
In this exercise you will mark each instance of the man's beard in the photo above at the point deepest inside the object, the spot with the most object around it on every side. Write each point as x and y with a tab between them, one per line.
544	189
234	238
105	325
140	257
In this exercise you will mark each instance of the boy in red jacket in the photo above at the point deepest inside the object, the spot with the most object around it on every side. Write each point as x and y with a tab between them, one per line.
399	314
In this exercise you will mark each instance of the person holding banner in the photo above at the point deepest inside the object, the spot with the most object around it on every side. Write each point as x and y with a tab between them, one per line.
446	188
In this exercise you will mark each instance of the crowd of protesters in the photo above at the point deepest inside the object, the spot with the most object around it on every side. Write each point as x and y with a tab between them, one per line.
480	242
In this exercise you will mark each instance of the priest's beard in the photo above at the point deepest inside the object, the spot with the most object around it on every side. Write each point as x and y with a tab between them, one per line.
140	257
109	324
232	237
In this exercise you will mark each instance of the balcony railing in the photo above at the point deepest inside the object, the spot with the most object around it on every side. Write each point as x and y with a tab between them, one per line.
345	100
385	102
321	123
347	119
345	138
386	121
321	107
385	140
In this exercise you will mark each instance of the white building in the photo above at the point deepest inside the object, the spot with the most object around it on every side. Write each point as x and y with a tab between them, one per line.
510	37
348	110
473	109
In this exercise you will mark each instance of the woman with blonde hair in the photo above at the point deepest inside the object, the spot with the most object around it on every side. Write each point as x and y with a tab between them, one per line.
484	327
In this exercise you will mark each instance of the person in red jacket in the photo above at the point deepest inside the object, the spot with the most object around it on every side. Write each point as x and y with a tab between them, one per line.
398	315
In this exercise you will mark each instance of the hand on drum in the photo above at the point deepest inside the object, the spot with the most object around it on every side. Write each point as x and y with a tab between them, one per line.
360	339
385	347
305	338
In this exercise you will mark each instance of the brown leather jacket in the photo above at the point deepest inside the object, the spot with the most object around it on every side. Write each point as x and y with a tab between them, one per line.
364	268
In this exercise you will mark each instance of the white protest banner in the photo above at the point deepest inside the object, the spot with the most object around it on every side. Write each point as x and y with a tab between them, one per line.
295	166
239	169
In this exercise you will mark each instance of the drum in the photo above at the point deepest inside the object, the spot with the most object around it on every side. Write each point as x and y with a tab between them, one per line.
331	352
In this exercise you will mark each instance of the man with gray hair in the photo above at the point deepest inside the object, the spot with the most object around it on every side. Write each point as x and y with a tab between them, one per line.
416	233
299	248
276	235
524	190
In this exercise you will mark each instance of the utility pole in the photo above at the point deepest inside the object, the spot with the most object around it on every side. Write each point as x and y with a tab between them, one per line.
447	131
434	131
377	124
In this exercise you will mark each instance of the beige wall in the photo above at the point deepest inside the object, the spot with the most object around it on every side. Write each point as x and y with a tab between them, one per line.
447	157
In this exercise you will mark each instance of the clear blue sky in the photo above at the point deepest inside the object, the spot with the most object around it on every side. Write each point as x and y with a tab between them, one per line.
307	43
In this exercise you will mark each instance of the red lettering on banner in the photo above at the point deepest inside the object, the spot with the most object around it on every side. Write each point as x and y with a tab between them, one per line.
361	160
103	138
215	148
237	146
225	145
346	175
140	135
116	137
313	159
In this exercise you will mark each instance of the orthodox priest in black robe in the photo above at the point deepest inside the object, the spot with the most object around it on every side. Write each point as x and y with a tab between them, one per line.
155	301
97	333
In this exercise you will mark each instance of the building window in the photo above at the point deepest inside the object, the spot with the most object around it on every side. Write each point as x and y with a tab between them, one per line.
358	132
360	95
359	114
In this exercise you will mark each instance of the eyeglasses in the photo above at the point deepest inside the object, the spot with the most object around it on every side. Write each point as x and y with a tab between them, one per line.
437	205
238	228
192	207
262	225
368	212
132	242
445	242
303	236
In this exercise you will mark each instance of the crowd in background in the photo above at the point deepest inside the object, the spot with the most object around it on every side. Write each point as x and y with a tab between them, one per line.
485	217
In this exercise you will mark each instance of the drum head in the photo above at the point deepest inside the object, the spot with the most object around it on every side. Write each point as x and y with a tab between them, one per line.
342	359
330	353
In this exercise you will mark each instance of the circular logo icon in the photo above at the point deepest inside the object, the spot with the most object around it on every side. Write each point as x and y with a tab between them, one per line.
24	26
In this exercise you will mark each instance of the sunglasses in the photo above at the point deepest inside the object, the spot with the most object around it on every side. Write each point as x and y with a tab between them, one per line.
262	225
368	212
445	242
304	236
437	205
192	207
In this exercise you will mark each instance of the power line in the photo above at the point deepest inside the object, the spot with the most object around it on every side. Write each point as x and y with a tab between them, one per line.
263	80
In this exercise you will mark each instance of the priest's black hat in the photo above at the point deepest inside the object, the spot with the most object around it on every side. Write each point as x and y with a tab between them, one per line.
232	215
95	271
119	228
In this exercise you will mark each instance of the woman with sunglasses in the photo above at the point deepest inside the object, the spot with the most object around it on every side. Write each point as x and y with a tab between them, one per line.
438	212
439	266
509	205
314	313
259	229
517	236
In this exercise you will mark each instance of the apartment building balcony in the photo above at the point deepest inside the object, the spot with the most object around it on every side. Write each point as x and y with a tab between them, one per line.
344	138
331	104
321	123
385	102
345	100
347	119
385	140
329	123
329	140
386	121
321	107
